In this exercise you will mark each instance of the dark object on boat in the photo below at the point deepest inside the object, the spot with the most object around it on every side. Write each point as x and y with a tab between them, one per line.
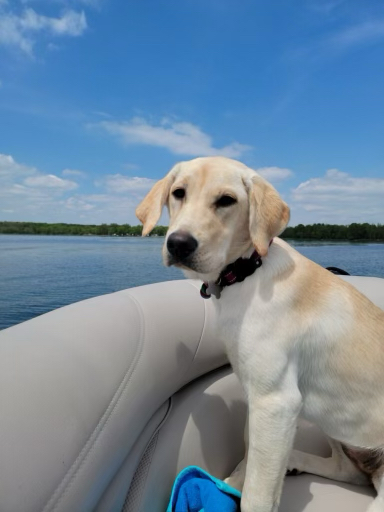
338	271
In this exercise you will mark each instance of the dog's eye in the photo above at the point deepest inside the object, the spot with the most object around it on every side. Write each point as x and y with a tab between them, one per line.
179	193
225	201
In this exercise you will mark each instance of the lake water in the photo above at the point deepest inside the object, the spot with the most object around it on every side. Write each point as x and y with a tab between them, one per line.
41	273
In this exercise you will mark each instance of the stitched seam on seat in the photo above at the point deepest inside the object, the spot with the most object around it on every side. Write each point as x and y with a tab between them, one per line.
133	501
65	485
154	434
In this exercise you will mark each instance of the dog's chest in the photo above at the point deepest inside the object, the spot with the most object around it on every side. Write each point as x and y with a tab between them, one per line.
246	328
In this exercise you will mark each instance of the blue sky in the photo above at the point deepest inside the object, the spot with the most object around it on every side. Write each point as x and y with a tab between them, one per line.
99	98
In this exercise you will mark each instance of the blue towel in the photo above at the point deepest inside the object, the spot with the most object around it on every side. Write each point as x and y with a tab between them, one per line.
195	490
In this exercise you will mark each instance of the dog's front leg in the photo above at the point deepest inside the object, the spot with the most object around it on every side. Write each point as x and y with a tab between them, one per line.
272	425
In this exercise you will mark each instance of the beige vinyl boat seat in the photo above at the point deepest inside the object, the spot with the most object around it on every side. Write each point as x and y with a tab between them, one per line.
104	401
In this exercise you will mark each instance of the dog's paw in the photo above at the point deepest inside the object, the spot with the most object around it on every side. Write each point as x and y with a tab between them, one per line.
235	481
296	463
293	472
237	477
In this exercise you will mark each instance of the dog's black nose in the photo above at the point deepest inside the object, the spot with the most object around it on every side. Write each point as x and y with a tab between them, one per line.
181	244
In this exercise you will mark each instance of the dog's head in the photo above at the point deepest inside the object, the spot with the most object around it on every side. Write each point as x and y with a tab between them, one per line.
218	209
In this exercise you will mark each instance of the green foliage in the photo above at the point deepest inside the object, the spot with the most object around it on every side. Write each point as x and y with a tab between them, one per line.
354	231
41	228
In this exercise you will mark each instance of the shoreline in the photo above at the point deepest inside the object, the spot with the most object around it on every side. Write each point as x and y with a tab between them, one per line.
336	240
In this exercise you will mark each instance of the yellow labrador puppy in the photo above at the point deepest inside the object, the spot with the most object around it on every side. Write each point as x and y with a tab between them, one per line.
301	340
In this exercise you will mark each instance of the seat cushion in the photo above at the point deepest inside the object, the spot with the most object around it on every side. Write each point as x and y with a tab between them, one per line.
205	428
311	493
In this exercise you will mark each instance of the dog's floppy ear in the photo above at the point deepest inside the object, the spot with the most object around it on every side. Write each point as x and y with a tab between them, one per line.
150	208
268	213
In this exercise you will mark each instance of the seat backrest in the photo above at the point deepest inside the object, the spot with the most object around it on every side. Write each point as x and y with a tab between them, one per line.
80	385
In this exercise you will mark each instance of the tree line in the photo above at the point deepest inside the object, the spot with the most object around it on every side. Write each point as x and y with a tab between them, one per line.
42	228
354	231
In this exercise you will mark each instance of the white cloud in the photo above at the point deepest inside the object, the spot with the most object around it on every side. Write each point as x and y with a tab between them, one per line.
71	23
50	181
100	113
20	30
345	39
362	33
91	3
74	172
12	35
99	208
338	197
333	45
130	167
180	138
78	204
274	174
119	184
28	192
325	6
52	47
9	168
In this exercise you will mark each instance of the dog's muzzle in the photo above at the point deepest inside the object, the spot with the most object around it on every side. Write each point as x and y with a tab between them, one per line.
181	245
